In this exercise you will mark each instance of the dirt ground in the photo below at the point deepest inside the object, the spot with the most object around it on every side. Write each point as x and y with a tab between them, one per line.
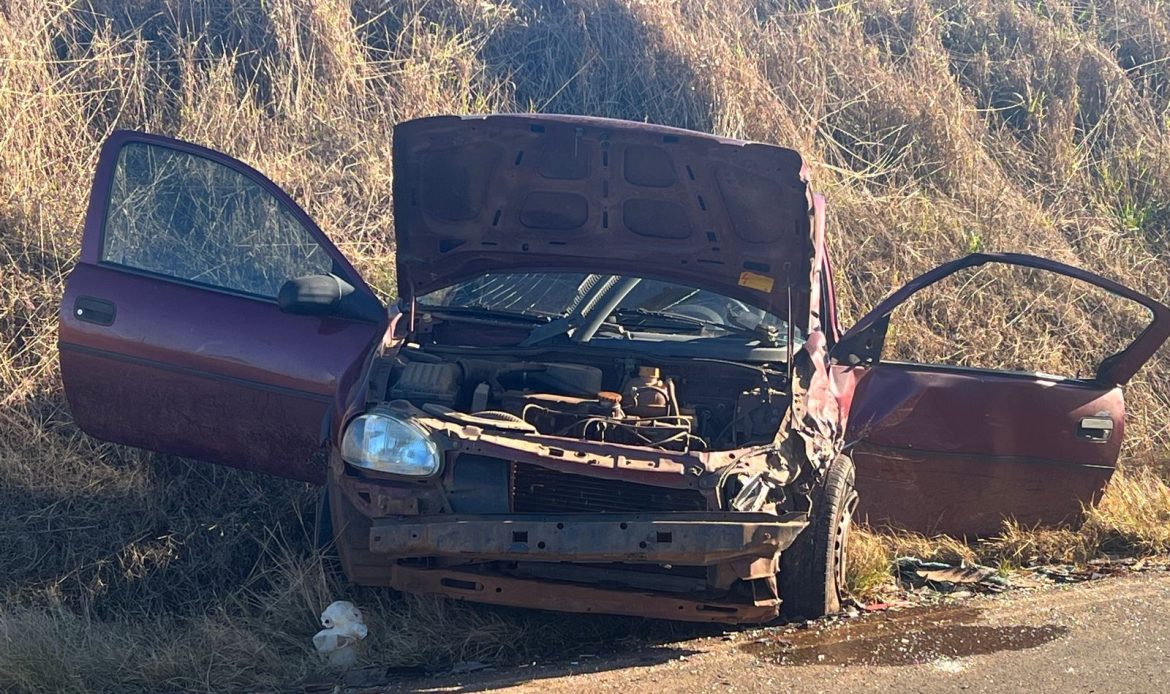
1102	636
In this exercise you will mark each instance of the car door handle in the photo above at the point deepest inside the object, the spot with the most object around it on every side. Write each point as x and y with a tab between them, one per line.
1097	429
92	310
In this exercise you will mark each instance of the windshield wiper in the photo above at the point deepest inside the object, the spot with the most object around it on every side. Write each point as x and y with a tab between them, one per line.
481	311
664	320
645	318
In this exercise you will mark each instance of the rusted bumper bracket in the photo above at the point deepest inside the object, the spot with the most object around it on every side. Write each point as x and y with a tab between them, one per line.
564	597
695	539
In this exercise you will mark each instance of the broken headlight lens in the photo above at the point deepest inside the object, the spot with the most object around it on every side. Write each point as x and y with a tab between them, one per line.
385	443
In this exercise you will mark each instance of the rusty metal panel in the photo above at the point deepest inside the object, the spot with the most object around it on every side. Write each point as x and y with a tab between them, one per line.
524	192
692	539
502	590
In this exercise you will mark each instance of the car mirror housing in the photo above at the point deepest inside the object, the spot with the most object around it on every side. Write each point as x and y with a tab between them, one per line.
314	295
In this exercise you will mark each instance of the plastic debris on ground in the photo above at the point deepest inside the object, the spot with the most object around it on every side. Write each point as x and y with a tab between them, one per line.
918	580
343	629
948	578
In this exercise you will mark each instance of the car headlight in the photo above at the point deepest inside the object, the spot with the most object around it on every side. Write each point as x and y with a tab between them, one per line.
385	443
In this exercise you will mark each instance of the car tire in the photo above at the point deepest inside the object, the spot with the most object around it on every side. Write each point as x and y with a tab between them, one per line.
812	570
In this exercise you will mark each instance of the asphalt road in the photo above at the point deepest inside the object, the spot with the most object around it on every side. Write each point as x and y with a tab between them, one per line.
1110	635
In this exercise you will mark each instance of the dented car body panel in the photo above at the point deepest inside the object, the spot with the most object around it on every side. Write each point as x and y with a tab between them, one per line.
477	194
954	450
701	539
614	381
989	464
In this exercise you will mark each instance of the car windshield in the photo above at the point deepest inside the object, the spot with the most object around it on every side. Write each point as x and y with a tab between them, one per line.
649	306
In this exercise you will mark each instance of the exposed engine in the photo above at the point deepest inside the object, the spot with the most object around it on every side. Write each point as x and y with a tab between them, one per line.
618	401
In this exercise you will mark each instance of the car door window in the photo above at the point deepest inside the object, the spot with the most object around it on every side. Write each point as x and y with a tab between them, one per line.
1012	318
183	216
1084	324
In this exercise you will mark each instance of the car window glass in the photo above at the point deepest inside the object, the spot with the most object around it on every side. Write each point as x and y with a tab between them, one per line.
556	294
535	293
1008	317
183	216
701	304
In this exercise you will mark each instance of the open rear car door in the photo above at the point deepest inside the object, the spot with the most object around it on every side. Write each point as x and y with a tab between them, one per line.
175	335
947	449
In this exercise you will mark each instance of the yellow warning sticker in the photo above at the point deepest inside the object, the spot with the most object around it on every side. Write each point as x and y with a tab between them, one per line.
751	280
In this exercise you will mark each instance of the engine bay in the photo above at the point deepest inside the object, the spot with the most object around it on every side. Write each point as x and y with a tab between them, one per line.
691	405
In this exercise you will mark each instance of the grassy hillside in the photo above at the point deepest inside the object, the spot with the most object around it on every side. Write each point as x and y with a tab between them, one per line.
935	127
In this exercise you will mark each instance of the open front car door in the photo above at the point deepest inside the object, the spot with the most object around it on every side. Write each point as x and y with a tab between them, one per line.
956	450
208	316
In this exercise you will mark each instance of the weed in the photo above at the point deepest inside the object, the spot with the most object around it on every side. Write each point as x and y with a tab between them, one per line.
934	127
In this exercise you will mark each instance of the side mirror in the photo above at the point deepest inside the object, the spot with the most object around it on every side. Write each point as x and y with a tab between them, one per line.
313	295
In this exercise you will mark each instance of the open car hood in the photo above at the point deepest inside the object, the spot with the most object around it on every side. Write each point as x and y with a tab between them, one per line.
529	193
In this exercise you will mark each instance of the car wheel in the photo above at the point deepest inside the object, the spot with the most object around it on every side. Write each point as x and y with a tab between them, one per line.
812	570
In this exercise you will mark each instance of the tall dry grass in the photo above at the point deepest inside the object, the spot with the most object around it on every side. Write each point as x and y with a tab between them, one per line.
935	127
1132	519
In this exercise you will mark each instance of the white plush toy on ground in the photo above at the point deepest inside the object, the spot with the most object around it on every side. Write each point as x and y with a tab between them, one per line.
344	627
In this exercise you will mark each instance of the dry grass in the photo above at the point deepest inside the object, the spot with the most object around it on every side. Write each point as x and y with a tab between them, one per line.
1134	516
870	563
935	127
1132	519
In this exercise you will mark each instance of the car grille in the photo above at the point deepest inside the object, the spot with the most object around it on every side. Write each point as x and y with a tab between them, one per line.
540	490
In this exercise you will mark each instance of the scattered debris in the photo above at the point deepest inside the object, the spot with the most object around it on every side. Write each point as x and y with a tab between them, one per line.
343	629
951	665
921	582
947	578
957	574
1064	573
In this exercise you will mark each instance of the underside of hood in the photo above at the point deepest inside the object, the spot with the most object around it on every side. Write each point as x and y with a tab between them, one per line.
541	193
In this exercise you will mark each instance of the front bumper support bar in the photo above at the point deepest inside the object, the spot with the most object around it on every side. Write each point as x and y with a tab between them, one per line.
693	539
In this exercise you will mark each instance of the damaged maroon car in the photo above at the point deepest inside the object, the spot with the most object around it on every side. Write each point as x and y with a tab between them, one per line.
613	380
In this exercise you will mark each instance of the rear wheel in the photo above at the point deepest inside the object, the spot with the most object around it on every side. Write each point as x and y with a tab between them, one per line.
812	570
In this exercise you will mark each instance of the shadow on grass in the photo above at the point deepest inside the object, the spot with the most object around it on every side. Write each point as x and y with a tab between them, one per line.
546	645
489	679
584	57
